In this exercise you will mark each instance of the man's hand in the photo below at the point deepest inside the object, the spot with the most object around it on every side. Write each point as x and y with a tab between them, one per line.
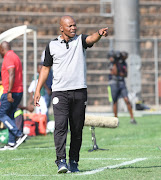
9	97
103	32
97	36
36	99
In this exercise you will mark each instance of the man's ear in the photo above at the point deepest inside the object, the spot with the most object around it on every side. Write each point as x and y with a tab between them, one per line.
61	28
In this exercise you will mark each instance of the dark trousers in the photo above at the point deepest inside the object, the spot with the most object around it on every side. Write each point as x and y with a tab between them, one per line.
7	111
69	105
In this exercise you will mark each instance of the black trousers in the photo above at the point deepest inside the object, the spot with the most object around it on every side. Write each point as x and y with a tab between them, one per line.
69	105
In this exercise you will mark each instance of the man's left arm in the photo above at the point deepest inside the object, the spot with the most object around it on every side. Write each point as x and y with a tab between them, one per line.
11	72
91	39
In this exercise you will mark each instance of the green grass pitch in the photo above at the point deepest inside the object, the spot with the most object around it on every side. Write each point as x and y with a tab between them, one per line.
128	143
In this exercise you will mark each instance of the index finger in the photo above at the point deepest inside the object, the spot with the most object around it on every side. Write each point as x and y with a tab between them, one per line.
105	28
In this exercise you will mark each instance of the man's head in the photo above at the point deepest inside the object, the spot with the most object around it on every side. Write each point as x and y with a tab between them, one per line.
111	55
4	48
67	27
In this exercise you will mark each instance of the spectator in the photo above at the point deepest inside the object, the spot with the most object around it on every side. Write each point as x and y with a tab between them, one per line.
18	115
0	79
67	55
118	72
11	73
47	85
43	108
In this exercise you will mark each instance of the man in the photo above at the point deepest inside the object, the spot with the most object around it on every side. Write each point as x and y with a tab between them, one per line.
67	55
118	72
32	87
1	87
11	73
47	85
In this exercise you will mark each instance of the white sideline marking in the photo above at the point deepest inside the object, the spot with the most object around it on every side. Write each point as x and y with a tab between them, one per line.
111	167
19	159
93	159
86	146
97	159
83	173
47	148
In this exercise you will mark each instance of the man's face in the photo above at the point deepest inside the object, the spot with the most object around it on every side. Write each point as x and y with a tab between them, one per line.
68	28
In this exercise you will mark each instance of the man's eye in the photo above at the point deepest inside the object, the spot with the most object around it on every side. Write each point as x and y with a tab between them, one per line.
72	25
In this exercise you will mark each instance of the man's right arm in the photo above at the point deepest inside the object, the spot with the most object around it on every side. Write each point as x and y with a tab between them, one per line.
91	39
11	72
42	78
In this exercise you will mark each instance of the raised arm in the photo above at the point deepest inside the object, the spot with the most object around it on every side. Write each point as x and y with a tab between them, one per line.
97	36
42	78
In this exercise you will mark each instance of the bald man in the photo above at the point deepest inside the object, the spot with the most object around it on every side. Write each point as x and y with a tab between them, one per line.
67	56
11	73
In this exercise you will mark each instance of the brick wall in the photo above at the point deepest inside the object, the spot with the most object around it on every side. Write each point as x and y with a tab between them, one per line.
45	15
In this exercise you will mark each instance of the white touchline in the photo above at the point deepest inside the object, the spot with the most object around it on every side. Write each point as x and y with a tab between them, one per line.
83	173
111	167
98	159
52	147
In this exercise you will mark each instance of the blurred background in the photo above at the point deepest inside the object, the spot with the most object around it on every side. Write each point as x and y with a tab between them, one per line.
134	26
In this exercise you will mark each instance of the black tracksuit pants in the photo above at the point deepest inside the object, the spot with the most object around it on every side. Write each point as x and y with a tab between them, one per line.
69	105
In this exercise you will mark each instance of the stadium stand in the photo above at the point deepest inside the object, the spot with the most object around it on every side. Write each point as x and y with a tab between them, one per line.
45	16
